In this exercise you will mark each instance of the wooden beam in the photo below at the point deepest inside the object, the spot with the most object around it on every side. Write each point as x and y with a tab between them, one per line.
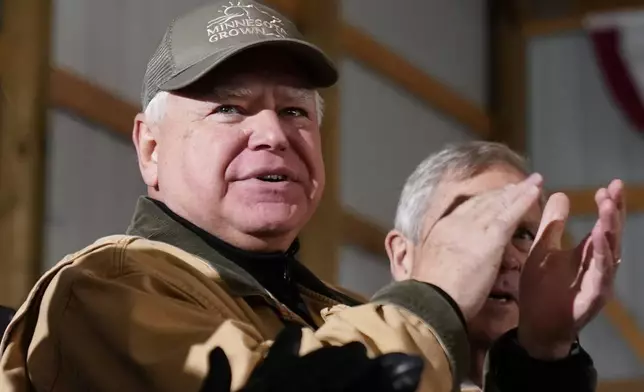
321	238
363	48
582	201
543	27
621	386
361	232
91	102
290	8
627	326
619	316
23	108
508	75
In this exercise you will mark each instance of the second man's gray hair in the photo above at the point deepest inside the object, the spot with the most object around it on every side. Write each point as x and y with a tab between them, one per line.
456	162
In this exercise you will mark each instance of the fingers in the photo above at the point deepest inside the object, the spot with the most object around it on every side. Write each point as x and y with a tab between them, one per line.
616	192
553	222
601	269
608	216
513	201
535	179
618	196
513	204
611	207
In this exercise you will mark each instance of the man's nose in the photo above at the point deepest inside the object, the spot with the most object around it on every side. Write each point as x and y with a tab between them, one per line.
267	132
513	259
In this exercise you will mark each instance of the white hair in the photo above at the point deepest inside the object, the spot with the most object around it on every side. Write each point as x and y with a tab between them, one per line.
456	162
156	108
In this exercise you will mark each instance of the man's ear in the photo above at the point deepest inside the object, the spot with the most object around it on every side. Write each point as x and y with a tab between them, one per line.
146	150
400	251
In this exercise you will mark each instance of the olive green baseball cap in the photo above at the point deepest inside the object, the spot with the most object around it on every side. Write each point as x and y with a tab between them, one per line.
199	41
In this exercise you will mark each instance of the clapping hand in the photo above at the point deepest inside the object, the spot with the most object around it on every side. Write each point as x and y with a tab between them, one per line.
464	249
561	290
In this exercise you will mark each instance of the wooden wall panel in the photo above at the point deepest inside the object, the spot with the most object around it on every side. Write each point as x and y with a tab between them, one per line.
361	232
508	75
621	386
321	238
24	63
89	101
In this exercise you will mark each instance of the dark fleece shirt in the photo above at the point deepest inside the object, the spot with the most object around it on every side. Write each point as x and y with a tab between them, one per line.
272	270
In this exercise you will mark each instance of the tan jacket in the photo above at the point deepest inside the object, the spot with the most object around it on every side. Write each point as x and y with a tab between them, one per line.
142	312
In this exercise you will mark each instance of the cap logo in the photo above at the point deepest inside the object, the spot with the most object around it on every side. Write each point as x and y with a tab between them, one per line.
244	19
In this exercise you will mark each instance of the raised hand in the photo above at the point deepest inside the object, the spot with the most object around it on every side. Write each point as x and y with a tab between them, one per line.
464	248
561	290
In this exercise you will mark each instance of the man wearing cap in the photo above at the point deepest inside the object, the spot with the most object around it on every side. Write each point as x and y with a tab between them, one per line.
205	290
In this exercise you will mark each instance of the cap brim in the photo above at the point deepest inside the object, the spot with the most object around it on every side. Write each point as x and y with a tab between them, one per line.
318	67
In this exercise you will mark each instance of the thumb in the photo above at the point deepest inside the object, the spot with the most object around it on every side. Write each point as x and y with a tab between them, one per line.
553	223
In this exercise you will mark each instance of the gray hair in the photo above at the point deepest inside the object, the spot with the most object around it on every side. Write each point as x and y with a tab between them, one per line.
155	110
458	162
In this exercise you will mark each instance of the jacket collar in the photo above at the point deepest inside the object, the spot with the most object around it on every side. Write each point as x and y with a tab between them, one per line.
151	222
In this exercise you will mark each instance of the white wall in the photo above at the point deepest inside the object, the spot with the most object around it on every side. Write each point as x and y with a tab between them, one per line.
579	138
386	131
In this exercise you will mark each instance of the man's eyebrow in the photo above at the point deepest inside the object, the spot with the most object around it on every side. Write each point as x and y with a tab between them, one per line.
225	92
297	94
458	200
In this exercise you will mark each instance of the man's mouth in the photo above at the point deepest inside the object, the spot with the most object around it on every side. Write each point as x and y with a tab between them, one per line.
502	297
273	178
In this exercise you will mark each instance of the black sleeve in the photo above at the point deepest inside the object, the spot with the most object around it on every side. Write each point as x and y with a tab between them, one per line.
509	368
6	314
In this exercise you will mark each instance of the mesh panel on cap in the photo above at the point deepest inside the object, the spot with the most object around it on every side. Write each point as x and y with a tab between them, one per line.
160	69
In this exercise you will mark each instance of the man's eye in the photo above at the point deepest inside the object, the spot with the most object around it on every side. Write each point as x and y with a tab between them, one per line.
228	109
294	112
523	239
524	234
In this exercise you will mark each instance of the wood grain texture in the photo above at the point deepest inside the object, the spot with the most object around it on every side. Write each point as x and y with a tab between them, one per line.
322	236
24	83
81	98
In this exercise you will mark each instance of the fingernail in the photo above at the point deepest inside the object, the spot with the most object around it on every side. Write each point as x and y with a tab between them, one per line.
535	178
